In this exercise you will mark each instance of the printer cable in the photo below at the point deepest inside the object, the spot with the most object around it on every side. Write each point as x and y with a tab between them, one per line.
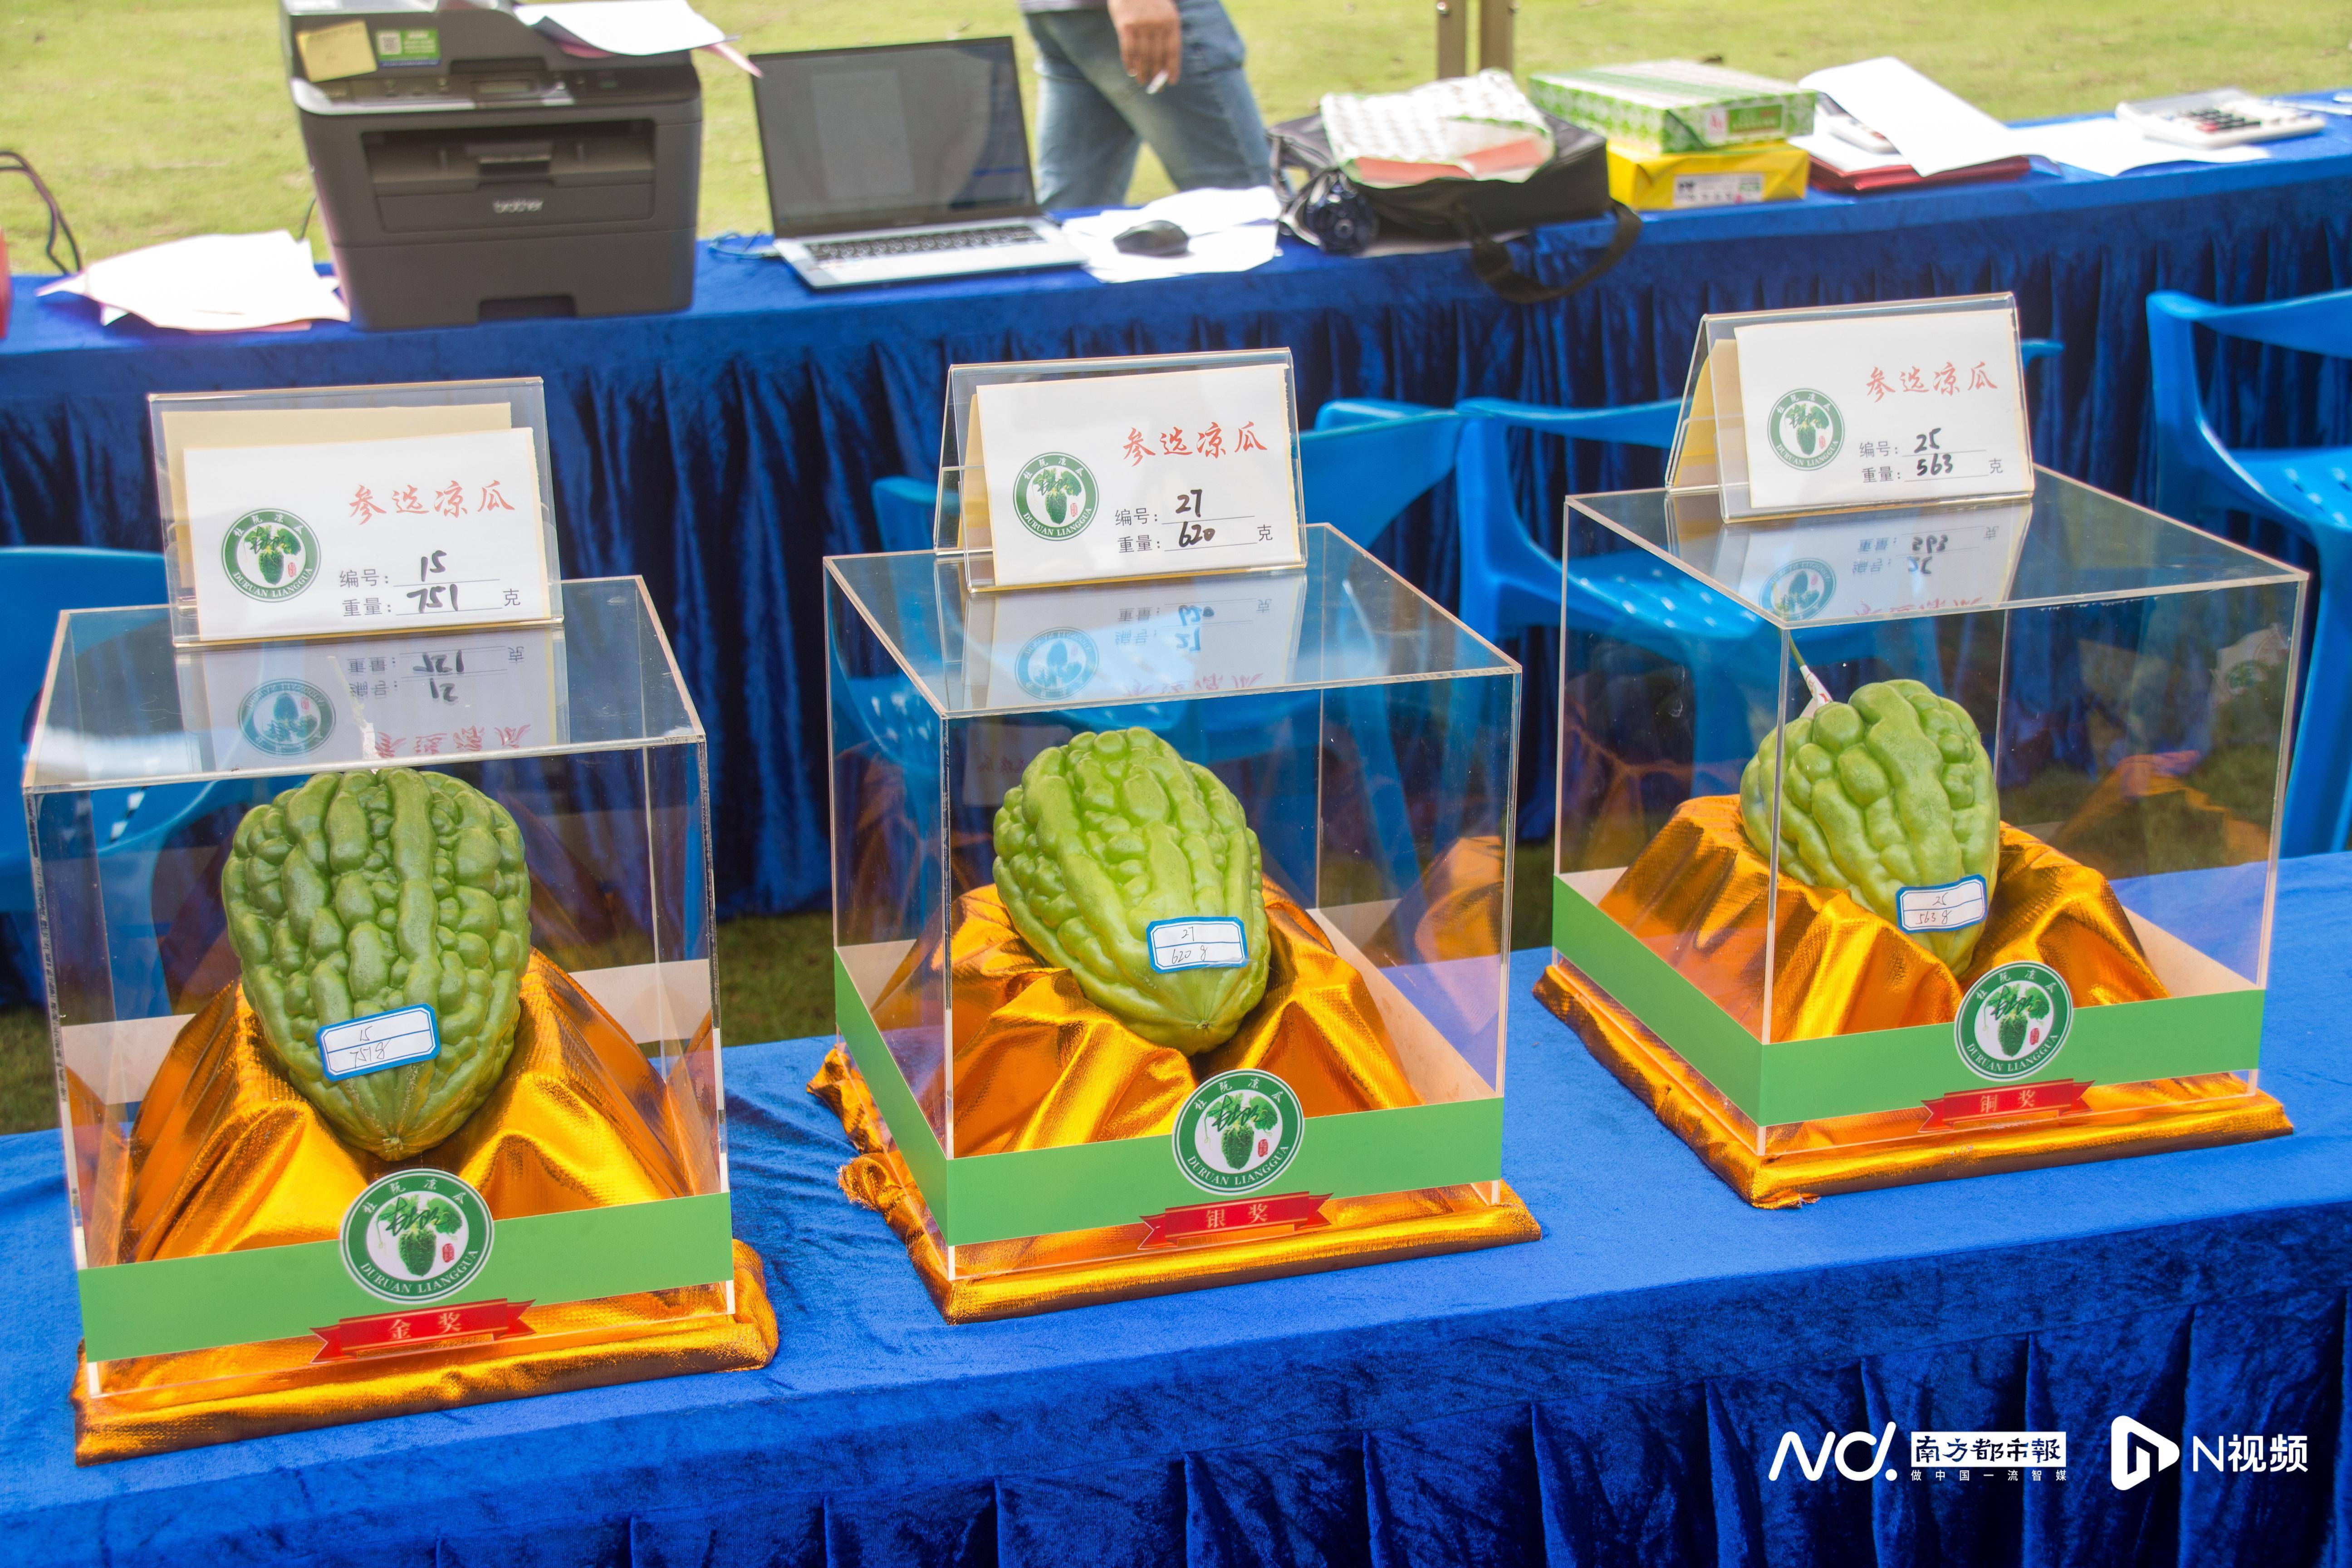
14	162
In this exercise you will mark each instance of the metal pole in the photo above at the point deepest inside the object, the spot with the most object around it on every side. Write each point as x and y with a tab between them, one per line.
1453	38
1495	18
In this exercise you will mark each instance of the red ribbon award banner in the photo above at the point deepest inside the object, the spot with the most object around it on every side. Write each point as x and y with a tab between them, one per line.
1299	1211
1984	1104
420	1326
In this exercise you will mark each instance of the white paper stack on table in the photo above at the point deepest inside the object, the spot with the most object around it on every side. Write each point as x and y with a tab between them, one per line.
212	283
1232	231
1936	132
593	29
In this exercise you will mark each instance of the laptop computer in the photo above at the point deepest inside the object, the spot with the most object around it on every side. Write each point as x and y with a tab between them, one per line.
901	162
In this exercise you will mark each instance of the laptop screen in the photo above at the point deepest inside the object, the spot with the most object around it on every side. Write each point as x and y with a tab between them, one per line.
894	136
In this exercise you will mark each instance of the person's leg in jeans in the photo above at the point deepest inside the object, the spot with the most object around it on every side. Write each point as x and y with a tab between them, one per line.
1086	150
1203	125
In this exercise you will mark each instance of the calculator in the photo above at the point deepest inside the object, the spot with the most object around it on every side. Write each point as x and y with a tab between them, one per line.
2224	117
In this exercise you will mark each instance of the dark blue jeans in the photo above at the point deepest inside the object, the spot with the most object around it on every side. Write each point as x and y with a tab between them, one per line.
1094	116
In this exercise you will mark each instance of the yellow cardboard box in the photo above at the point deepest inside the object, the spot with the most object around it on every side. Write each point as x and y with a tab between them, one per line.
1659	181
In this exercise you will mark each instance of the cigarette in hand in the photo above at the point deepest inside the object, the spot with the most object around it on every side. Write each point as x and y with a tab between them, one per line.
1158	82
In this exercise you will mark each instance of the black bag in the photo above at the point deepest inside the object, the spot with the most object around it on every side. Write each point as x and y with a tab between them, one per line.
1574	184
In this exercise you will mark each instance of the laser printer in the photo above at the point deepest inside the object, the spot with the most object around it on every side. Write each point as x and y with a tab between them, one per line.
468	168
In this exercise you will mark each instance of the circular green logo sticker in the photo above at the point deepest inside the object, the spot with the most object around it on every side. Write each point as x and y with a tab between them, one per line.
1055	664
1806	428
269	555
2013	1021
1238	1132
416	1237
285	718
1800	590
1055	496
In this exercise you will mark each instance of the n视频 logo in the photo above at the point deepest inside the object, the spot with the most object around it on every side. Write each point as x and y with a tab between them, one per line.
1805	430
1238	1132
269	555
2013	1021
416	1237
1055	496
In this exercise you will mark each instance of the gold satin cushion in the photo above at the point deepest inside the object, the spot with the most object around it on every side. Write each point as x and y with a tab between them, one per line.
1039	1064
1699	895
226	1155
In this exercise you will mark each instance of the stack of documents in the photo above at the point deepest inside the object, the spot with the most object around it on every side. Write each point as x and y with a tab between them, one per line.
1938	137
214	283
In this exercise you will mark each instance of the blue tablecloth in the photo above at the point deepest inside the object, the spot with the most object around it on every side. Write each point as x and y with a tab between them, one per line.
720	452
1615	1392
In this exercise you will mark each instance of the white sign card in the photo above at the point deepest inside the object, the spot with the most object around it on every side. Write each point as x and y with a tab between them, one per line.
449	695
1921	564
1883	410
1137	476
370	536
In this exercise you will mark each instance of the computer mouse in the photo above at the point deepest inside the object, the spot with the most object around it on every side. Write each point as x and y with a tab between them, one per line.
1157	238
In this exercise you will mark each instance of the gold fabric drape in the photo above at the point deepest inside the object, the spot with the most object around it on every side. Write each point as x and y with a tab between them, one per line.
1038	1066
1698	896
226	1155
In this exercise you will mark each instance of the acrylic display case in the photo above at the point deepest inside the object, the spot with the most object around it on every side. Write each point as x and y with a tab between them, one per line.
1833	942
402	1208
1031	1147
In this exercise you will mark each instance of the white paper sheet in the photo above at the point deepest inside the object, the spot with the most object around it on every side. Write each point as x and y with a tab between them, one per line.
212	283
1933	127
1232	231
628	26
2105	145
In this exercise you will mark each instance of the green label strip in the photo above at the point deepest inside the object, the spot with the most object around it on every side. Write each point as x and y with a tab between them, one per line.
1889	1070
1083	1186
281	1292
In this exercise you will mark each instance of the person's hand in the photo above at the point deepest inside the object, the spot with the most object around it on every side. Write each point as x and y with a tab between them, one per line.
1151	39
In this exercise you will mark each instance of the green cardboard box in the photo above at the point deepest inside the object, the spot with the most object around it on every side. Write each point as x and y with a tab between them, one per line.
1676	106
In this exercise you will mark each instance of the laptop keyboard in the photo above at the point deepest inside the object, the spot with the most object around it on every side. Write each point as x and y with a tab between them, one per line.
925	244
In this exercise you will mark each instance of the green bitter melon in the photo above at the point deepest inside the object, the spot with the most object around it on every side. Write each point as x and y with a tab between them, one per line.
1105	835
362	892
1887	790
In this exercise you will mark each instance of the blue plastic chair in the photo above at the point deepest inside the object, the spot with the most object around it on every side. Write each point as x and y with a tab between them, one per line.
2198	479
42	584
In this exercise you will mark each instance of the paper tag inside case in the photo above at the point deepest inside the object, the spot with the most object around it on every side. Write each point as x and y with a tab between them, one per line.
1949	907
379	1042
1205	941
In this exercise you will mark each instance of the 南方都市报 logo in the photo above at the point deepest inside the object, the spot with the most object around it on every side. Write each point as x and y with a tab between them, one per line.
2013	1021
416	1237
1238	1132
1805	429
1055	496
269	555
285	718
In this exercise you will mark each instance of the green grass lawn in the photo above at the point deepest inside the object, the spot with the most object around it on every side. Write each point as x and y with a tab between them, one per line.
158	119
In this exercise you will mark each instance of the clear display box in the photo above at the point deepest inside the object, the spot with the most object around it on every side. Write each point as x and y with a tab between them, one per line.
1029	1142
1903	845
380	979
